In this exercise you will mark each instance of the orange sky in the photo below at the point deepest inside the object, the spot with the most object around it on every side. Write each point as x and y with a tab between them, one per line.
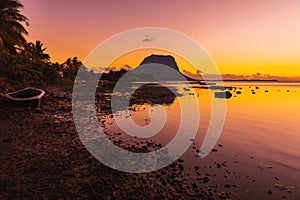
242	37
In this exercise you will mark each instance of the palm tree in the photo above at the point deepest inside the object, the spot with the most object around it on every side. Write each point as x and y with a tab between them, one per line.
36	52
71	66
12	31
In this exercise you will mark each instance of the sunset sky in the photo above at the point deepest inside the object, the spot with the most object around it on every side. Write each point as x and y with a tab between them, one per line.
242	37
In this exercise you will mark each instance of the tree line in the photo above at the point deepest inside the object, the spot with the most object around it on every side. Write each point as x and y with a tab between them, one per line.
24	63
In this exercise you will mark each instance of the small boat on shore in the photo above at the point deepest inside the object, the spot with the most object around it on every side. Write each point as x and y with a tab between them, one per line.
26	95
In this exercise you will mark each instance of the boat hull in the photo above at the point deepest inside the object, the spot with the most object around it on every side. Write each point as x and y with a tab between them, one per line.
26	96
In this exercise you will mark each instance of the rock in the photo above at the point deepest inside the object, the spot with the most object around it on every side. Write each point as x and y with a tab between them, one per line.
6	140
226	94
277	185
270	192
205	179
180	166
38	110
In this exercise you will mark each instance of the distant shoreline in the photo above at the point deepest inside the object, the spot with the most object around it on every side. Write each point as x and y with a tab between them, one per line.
244	80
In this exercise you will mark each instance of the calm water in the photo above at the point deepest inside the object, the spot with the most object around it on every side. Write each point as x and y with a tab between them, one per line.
259	144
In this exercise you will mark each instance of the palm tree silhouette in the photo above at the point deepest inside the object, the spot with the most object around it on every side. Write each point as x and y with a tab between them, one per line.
36	51
12	31
71	66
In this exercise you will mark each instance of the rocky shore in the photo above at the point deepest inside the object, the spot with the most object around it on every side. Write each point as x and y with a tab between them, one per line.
42	157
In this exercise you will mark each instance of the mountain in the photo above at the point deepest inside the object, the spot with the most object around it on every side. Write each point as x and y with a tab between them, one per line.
161	59
166	60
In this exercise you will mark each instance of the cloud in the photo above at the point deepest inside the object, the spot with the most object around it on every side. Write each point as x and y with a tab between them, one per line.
257	76
148	38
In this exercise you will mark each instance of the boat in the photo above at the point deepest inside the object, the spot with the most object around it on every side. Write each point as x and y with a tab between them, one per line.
27	95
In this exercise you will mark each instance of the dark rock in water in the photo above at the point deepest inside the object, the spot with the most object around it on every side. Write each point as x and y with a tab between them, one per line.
226	95
154	94
238	92
256	87
266	91
230	88
253	92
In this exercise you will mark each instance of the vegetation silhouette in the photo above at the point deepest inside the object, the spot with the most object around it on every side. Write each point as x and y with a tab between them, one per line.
12	32
25	63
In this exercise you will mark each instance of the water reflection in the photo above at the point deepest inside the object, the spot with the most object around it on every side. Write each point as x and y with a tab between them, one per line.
151	94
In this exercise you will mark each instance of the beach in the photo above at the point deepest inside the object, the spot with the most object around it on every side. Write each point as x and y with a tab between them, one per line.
42	155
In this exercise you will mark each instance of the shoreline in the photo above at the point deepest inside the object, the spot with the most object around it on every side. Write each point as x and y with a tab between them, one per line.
42	153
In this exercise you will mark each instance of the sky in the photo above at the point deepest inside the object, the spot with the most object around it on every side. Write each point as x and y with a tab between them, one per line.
242	37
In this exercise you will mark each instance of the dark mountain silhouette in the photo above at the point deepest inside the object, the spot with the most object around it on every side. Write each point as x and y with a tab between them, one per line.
167	60
161	59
